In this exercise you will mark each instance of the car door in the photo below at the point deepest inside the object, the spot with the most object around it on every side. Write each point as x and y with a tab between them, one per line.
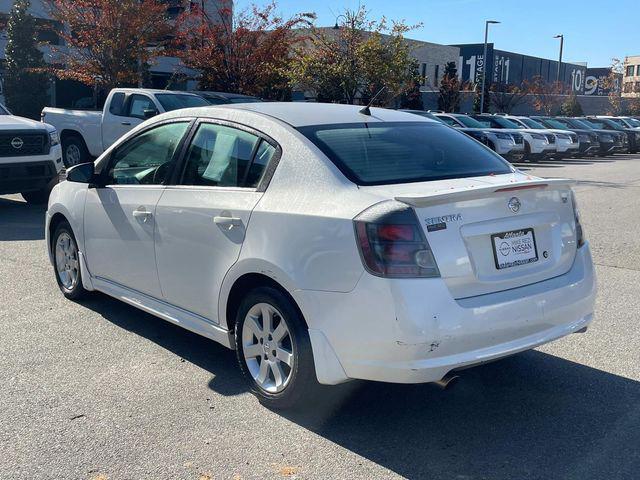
119	216
201	221
123	116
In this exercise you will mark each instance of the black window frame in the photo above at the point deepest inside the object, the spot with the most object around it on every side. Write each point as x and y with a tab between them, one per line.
181	164
110	160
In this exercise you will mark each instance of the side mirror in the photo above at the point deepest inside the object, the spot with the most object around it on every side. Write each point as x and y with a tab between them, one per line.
83	173
149	112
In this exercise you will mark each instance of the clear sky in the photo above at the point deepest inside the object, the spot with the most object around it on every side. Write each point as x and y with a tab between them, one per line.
594	30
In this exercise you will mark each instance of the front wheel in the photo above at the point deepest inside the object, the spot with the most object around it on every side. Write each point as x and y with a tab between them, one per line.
67	262
274	350
74	151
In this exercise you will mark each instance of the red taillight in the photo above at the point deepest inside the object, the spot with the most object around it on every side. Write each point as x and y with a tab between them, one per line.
396	232
392	244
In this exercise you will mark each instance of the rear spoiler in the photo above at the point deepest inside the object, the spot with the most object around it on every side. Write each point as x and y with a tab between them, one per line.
471	192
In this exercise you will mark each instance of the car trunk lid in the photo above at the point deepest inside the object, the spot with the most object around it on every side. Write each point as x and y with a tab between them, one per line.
490	234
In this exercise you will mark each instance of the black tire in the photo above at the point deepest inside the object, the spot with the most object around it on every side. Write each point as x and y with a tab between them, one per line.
302	388
74	151
76	291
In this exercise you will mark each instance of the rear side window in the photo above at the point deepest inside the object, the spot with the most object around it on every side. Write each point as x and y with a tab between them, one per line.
117	102
401	152
220	156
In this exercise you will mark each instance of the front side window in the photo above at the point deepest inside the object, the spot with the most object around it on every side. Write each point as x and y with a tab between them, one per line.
220	156
148	158
139	105
402	152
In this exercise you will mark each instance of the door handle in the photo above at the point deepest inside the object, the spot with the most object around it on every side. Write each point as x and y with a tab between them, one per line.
141	213
126	123
227	221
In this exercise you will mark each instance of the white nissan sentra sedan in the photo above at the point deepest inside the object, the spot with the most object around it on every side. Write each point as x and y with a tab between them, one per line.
324	244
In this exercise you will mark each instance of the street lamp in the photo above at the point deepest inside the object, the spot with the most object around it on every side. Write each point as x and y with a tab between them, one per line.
484	59
561	37
337	26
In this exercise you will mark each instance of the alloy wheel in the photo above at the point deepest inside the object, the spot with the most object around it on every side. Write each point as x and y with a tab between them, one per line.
67	265
267	347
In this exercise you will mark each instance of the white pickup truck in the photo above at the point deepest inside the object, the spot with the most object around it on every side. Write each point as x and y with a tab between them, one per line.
86	134
30	157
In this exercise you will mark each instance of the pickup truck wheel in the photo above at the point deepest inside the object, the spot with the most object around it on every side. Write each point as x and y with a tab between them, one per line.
74	151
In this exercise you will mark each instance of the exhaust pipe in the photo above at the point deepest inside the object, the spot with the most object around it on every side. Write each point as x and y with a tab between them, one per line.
448	381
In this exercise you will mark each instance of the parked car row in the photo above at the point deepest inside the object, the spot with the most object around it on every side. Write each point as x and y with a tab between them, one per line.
519	138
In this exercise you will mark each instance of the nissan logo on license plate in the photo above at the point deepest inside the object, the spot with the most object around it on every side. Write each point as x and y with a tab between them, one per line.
17	143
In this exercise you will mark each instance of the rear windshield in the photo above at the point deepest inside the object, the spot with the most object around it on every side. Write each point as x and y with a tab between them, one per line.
402	152
174	101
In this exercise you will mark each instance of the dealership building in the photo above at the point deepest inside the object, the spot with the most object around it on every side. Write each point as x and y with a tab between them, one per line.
510	68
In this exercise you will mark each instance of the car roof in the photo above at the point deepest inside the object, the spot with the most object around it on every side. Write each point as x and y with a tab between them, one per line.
302	114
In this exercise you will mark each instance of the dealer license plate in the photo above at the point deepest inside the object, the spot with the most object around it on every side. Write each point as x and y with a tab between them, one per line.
514	248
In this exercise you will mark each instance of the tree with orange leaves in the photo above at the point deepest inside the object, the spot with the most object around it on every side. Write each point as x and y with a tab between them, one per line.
245	52
109	43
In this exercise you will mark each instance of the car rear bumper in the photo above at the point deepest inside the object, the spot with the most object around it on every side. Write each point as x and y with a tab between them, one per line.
413	331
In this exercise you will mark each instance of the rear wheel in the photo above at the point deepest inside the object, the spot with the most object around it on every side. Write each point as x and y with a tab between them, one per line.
66	262
74	151
274	350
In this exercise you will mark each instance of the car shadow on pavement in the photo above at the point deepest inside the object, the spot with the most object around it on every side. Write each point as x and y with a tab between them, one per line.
20	220
193	348
531	416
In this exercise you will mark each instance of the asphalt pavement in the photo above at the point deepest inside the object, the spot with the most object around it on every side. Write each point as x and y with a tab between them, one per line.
99	390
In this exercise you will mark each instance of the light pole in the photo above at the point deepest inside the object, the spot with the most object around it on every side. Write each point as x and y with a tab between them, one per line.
561	37
337	26
484	59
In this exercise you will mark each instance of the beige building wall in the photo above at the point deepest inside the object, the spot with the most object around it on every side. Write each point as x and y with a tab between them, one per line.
631	77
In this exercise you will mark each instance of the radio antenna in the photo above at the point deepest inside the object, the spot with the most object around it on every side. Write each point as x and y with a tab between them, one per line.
367	110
